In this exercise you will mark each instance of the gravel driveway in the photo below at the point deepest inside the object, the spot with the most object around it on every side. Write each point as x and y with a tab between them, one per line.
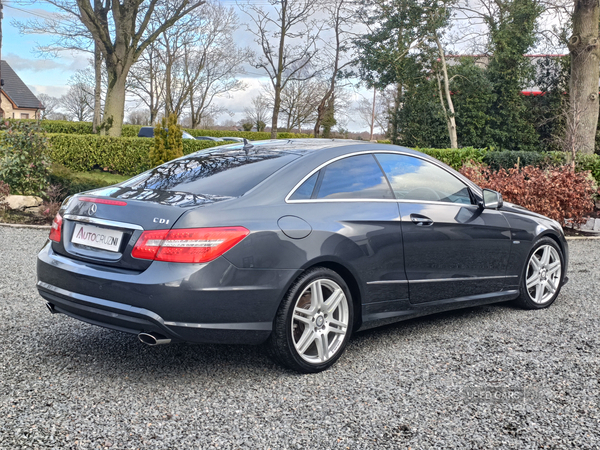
486	377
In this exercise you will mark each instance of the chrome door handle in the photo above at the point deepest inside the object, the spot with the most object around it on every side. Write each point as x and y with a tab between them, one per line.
421	221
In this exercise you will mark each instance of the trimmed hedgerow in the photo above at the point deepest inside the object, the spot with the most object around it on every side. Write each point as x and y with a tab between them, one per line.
127	156
455	158
555	192
67	127
133	130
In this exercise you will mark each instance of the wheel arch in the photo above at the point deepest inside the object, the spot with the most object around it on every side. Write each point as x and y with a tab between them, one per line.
349	278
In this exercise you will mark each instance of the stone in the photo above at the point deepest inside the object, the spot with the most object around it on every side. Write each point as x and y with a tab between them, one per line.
23	202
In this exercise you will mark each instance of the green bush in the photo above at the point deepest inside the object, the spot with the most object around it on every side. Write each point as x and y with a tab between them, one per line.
126	156
24	161
167	145
69	183
455	158
509	159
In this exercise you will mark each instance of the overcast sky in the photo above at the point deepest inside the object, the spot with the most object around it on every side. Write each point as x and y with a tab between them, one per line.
51	76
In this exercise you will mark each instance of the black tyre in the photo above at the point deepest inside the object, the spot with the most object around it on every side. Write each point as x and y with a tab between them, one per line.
314	322
542	275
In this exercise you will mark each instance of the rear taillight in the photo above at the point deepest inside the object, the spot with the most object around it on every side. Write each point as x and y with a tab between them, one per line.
102	201
188	245
56	229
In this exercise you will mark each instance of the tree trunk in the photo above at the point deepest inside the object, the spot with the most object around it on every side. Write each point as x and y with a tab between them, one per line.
97	88
114	104
276	106
585	72
450	119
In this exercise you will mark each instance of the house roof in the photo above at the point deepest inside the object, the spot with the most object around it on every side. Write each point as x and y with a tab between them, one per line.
16	90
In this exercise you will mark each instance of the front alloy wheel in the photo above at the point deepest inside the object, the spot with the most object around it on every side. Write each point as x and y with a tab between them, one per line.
543	275
314	322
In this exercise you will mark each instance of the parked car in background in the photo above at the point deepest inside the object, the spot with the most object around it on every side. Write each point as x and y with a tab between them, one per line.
209	138
233	139
149	133
296	244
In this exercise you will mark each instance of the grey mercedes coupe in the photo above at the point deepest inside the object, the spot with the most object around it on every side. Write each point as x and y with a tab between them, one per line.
295	244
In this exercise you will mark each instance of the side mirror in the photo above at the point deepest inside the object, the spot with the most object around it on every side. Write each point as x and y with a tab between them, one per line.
492	199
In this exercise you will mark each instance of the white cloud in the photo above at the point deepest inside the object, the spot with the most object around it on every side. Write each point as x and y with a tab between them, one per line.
54	91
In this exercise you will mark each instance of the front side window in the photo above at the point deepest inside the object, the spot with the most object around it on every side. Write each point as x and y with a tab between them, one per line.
419	180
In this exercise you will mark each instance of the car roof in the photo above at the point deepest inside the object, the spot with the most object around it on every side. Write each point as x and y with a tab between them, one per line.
309	146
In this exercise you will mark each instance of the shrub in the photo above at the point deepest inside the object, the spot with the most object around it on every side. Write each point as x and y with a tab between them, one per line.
4	192
67	183
167	145
126	156
509	159
455	158
23	158
556	192
53	199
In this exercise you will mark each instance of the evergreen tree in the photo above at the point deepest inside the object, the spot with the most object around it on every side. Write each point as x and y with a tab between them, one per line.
512	34
168	143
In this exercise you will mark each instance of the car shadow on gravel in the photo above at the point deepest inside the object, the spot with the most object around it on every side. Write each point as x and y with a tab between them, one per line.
432	323
86	348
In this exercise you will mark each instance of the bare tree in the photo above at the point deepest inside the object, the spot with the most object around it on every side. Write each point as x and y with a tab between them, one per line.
139	117
584	47
121	31
148	81
78	103
258	113
217	63
288	43
341	19
51	105
299	101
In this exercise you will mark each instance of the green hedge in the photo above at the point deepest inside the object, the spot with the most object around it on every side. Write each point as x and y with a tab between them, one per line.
67	127
133	130
127	156
71	183
455	157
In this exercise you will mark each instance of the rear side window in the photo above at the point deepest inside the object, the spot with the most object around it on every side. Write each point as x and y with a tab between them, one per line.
307	188
419	180
353	178
228	174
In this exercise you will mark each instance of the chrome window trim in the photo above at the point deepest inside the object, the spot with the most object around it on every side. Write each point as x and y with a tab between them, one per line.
373	152
109	223
438	280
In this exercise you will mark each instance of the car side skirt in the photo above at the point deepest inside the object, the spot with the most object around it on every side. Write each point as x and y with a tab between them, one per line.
404	310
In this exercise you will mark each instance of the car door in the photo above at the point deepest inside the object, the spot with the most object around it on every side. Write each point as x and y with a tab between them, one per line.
354	216
453	249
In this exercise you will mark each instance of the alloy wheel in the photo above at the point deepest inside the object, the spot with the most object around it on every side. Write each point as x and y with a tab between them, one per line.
544	270
320	321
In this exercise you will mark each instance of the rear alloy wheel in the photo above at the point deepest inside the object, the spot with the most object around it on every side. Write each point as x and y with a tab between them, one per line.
541	281
314	322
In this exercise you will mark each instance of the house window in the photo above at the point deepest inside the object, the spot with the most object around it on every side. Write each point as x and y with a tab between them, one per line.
24	115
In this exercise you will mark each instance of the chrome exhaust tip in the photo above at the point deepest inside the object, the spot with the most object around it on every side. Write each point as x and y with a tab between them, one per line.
153	339
50	307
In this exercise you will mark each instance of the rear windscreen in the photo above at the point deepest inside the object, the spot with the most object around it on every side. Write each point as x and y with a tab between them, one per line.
231	173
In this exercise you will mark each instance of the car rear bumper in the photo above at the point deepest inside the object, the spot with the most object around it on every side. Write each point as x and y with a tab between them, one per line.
203	303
